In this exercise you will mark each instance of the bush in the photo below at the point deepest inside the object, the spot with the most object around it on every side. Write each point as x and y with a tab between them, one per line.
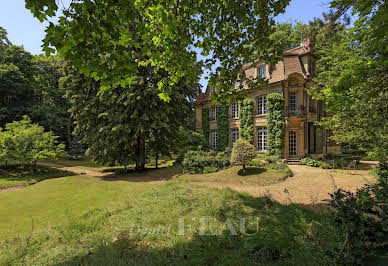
198	162
242	153
310	162
271	158
256	163
363	218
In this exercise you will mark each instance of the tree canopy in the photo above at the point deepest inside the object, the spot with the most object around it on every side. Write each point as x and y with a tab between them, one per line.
103	38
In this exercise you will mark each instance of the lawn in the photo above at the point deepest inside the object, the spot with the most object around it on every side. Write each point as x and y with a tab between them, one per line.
118	221
89	164
16	175
263	175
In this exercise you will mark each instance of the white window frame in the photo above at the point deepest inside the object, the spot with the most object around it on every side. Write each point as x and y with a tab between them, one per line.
235	135
262	105
263	72
262	139
235	110
213	114
213	139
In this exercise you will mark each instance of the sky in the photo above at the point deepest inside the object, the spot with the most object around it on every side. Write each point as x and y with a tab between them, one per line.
25	30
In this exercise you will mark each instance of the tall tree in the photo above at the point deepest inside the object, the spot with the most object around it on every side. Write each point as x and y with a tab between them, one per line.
16	81
99	36
352	77
127	124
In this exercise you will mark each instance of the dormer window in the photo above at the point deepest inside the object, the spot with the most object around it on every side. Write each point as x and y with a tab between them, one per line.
262	72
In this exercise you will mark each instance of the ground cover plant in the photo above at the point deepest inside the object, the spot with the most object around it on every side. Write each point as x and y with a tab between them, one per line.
14	175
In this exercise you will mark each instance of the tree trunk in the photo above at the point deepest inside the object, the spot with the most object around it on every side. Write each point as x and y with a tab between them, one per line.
156	160
140	153
244	169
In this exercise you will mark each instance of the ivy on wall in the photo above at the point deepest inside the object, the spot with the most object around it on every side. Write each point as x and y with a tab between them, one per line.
246	120
205	128
275	103
222	127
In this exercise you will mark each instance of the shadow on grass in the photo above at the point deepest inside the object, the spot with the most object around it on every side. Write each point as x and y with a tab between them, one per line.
275	239
251	171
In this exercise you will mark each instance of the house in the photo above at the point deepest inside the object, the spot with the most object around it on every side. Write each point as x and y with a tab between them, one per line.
291	77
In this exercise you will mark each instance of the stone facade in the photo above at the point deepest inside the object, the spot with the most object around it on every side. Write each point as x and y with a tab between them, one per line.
292	78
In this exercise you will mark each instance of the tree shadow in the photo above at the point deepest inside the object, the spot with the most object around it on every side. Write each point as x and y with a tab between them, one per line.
251	171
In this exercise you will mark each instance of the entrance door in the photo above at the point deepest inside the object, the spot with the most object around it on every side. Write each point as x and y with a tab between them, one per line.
292	143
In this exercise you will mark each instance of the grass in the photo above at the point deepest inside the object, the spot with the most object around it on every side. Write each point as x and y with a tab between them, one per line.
89	164
263	175
15	175
83	220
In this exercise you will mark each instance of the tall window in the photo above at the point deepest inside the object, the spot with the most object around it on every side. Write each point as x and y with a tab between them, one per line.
261	105
292	101
292	143
213	139
262	138
262	71
235	110
213	114
235	135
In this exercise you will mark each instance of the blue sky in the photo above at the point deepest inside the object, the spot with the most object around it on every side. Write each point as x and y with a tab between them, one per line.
23	29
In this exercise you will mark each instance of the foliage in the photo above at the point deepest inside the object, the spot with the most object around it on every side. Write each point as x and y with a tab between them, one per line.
205	128
271	158
167	32
363	217
352	77
276	124
127	124
242	153
16	81
246	120
222	127
205	162
310	162
27	142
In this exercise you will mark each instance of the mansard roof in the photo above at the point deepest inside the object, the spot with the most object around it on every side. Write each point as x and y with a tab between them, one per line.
290	64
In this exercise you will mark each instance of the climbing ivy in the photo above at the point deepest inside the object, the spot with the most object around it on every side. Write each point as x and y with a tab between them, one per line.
205	128
246	120
222	127
276	123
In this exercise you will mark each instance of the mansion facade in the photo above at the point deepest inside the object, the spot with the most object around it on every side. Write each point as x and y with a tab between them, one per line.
291	77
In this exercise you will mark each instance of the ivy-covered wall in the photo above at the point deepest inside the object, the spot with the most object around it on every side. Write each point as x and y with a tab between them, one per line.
275	120
205	128
222	127
246	120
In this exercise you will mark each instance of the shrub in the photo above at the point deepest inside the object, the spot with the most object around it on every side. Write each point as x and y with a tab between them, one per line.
205	128
363	218
310	162
271	158
256	163
242	153
222	127
198	162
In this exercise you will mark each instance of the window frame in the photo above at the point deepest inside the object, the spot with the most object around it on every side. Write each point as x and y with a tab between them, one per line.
213	139
235	110
262	74
213	113
261	105
262	139
235	134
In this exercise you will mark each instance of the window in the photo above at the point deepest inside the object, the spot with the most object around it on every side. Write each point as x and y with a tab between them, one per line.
213	113
262	138
235	110
213	90
261	105
213	139
292	143
262	71
235	135
292	101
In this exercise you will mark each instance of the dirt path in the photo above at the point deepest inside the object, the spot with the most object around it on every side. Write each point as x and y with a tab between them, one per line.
75	169
308	186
